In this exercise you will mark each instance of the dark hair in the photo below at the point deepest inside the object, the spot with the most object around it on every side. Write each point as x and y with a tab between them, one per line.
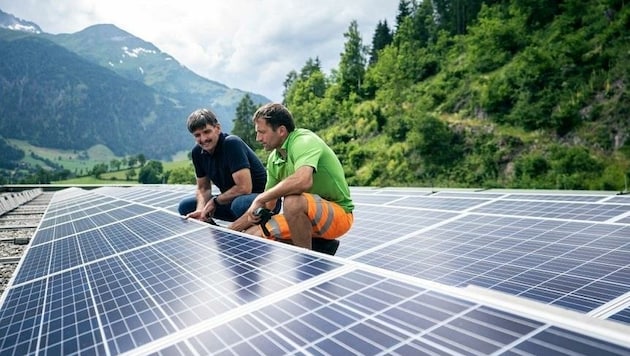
276	115
198	119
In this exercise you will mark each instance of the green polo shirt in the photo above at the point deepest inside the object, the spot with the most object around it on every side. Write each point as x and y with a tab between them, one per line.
305	148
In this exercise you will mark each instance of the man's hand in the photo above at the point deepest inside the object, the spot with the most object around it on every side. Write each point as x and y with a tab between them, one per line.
252	217
204	214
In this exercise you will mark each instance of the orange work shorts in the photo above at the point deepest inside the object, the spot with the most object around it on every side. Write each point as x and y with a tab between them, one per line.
328	219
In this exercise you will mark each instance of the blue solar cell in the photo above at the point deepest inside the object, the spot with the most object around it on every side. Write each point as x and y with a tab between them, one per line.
622	316
42	236
475	195
564	210
439	203
121	238
332	318
183	298
20	319
65	254
108	276
180	348
73	205
368	230
151	231
93	245
70	325
129	316
35	264
129	211
549	267
557	197
558	341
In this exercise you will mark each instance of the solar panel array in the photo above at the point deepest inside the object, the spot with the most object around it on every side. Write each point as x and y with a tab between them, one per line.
114	270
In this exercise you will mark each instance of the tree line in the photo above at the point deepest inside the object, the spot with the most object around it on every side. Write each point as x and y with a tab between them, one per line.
494	93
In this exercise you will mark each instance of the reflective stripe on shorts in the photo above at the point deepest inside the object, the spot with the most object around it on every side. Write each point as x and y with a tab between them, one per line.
328	220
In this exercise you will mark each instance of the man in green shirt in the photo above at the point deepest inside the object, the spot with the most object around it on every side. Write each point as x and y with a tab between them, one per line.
305	172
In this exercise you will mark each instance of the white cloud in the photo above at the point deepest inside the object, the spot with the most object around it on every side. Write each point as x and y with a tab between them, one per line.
246	44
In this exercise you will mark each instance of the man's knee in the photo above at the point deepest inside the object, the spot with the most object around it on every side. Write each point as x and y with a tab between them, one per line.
187	205
241	203
294	204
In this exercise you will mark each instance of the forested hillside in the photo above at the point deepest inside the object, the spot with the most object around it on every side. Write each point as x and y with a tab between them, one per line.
520	93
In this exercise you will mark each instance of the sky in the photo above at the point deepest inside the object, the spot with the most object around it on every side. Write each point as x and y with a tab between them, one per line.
245	44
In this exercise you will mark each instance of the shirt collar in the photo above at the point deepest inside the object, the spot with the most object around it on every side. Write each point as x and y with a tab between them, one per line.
278	159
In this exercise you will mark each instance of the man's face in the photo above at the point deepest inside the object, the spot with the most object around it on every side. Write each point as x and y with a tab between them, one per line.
207	137
269	138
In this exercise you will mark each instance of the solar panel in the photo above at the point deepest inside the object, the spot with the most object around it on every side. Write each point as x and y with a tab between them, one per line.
115	270
555	210
623	316
577	265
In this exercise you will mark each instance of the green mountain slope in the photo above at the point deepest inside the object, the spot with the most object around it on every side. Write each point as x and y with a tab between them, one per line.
482	93
136	59
54	98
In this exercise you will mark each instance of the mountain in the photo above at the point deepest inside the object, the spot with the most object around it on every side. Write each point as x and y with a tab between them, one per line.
52	97
11	22
101	85
136	59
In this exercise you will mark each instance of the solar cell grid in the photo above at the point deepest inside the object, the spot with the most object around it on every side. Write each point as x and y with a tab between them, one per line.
128	211
550	271
557	197
50	223
374	199
35	264
20	321
59	199
619	199
362	313
65	254
69	323
434	202
147	197
121	238
130	317
159	198
132	194
400	191
82	203
555	340
82	211
42	236
380	225
554	210
93	245
474	195
185	299
127	276
622	316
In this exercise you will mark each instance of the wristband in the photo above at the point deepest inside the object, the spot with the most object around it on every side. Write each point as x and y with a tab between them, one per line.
215	200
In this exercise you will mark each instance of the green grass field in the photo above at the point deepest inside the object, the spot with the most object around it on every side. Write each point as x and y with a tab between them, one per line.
81	162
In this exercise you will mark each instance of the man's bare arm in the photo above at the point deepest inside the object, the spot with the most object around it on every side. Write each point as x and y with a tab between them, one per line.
242	185
297	183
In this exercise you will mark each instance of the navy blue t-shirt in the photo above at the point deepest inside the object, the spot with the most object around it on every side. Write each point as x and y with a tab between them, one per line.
230	155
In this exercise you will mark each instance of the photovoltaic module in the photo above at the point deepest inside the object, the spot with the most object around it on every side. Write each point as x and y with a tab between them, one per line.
115	270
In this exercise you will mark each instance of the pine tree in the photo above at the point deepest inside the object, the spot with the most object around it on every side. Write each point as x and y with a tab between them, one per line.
288	84
404	11
352	64
243	126
382	37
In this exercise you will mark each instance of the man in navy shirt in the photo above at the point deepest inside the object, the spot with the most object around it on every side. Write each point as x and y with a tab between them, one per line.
228	163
